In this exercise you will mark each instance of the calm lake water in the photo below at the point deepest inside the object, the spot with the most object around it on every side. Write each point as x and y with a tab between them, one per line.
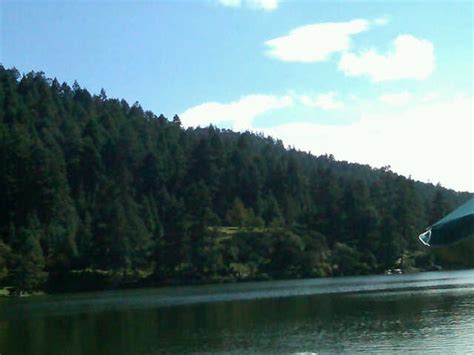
418	313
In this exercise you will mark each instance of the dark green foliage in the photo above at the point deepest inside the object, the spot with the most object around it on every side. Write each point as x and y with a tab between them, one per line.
439	207
27	270
4	257
348	260
95	189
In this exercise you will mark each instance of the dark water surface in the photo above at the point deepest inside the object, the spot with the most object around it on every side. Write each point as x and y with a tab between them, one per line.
418	313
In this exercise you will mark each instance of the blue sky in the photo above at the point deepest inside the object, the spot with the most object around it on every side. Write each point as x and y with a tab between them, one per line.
380	82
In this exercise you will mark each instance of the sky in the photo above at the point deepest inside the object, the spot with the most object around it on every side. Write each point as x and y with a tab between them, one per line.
384	83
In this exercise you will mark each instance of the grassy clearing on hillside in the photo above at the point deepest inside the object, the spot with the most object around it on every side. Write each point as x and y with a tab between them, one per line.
226	233
234	230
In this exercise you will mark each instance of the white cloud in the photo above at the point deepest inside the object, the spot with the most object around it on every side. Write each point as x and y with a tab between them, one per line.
239	113
396	99
412	58
316	42
230	3
431	142
324	101
431	96
267	5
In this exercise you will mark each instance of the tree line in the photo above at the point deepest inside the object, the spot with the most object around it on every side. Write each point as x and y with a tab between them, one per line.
96	193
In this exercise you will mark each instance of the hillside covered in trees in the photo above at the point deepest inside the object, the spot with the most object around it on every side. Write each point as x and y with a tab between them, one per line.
96	193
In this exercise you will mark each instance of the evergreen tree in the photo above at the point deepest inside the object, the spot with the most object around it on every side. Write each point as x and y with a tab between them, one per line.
27	272
238	215
439	207
4	259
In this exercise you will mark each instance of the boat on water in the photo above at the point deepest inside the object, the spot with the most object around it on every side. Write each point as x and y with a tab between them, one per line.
393	272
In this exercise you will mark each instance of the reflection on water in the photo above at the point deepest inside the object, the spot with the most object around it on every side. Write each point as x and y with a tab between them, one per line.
419	313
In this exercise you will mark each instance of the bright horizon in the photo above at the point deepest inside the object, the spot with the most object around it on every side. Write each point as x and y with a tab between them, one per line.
378	83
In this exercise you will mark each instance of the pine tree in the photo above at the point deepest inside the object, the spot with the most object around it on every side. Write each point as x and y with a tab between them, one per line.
27	273
5	252
238	215
438	208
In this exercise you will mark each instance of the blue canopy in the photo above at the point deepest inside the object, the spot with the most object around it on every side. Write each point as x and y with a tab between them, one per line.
452	228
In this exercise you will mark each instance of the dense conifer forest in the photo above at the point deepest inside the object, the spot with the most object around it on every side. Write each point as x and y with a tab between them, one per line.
96	193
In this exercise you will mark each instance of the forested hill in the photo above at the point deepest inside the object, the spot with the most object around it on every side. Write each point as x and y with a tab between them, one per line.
96	193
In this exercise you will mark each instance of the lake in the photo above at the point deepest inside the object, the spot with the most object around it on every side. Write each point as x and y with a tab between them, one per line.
418	313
